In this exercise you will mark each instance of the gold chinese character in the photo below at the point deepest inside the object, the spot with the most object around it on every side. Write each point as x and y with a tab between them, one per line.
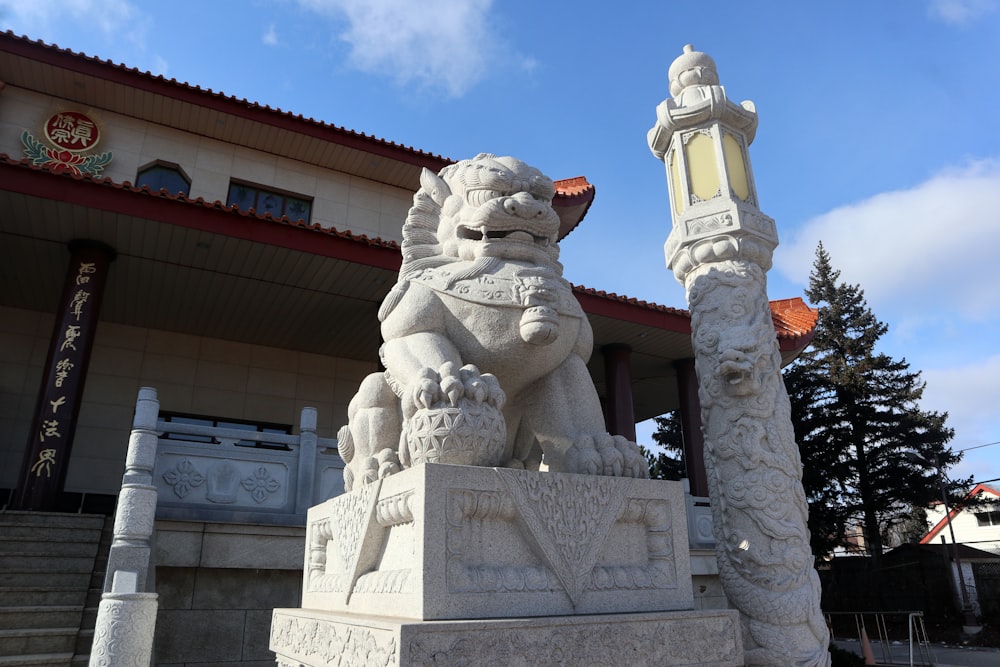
79	299
46	458
63	367
85	268
50	429
72	333
56	403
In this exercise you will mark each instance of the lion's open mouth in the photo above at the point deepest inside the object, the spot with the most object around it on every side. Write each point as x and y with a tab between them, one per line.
485	234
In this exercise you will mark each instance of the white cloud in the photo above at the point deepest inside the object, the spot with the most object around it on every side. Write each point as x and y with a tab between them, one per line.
970	395
934	243
439	44
961	12
40	18
270	36
160	66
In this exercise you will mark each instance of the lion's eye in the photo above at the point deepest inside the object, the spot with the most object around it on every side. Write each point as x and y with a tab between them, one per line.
480	197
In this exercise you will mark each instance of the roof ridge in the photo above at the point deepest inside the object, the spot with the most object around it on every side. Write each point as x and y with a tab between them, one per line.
219	95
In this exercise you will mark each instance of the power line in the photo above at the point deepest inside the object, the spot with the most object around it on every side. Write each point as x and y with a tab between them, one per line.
988	444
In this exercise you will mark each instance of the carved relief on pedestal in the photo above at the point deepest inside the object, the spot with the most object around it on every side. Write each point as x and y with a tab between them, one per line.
326	644
535	543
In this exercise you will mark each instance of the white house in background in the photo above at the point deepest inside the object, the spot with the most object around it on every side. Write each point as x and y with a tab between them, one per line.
977	526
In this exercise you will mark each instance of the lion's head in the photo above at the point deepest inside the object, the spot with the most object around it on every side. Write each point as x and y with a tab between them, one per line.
486	207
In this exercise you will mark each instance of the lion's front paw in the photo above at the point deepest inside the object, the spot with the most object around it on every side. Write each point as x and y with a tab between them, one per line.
382	464
450	385
613	455
634	463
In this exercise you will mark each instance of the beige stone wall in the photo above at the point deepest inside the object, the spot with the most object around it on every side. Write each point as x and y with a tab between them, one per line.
340	200
192	374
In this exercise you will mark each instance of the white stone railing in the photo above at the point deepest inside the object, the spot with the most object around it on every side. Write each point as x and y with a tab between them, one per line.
226	482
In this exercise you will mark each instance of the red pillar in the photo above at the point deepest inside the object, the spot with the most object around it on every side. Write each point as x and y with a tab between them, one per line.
619	407
43	471
694	439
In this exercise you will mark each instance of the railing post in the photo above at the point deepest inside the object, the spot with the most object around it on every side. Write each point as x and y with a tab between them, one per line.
305	488
128	607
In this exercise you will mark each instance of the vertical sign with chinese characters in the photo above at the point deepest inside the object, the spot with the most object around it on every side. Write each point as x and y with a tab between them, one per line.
43	471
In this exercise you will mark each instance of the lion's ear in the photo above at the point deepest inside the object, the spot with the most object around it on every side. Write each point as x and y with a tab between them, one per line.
434	186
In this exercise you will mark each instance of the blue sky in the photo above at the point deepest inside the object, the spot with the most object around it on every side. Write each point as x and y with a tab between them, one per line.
878	130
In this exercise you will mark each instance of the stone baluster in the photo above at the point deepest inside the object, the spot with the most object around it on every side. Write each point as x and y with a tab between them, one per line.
126	617
305	488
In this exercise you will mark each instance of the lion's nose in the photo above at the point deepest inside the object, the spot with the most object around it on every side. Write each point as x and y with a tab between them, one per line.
523	205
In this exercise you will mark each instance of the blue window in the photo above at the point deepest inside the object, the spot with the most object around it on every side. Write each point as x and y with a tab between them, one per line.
160	175
263	201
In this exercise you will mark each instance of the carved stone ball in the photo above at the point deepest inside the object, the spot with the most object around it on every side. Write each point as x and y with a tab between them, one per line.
470	433
692	68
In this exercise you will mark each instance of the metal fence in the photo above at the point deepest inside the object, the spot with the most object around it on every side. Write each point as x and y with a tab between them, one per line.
888	637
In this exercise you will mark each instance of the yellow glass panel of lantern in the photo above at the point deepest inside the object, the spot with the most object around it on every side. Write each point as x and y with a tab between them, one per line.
736	168
675	184
703	171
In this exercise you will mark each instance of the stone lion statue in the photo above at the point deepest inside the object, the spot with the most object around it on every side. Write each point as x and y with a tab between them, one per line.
485	345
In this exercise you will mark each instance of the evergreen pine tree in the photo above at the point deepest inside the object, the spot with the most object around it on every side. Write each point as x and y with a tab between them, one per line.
856	415
667	462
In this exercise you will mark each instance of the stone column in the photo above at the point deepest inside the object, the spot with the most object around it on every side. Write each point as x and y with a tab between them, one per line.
125	624
690	414
46	458
720	248
620	408
126	617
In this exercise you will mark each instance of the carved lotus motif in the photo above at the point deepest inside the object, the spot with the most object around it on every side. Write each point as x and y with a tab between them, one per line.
183	477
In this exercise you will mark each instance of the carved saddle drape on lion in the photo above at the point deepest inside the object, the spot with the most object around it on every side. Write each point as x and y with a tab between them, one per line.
485	345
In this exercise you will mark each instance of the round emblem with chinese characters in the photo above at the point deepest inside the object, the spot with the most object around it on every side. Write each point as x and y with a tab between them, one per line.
72	131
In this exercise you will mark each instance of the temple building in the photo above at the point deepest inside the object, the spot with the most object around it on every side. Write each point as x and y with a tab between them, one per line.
239	255
233	257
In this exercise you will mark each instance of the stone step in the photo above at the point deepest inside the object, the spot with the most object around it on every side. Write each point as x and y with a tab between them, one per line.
84	641
51	520
43	533
34	641
47	547
16	561
39	659
35	617
24	596
89	618
44	579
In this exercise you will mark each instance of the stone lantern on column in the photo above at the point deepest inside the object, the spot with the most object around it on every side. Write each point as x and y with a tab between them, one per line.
720	248
703	137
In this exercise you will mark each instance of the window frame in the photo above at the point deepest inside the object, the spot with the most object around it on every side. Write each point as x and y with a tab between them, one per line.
268	190
165	164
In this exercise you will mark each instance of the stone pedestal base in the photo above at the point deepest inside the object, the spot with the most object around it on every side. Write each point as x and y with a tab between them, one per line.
459	565
448	542
321	639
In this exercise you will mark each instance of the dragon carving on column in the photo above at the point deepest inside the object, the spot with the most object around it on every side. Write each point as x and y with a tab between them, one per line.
720	248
